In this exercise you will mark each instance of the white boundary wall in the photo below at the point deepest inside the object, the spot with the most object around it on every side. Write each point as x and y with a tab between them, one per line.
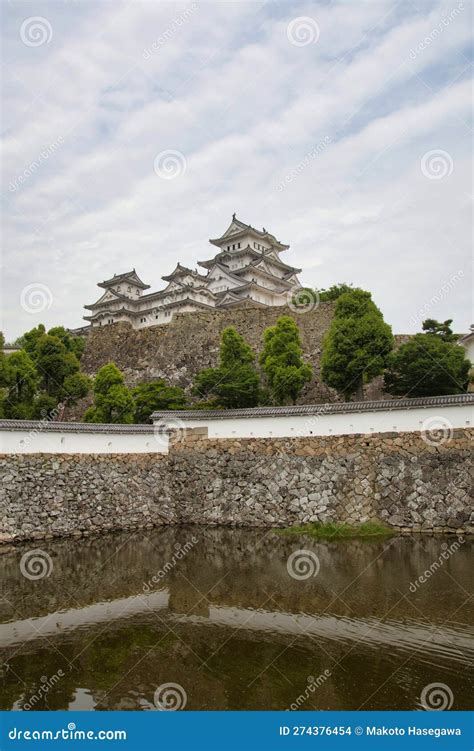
445	418
44	439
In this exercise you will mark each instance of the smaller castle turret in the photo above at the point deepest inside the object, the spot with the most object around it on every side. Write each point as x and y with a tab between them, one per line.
246	268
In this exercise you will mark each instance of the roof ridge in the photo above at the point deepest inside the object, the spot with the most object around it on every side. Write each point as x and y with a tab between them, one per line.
325	408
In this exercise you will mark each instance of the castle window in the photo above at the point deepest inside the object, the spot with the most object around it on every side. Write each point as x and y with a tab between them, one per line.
129	289
238	245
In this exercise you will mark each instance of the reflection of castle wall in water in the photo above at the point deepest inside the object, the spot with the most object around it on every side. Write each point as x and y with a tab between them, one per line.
232	568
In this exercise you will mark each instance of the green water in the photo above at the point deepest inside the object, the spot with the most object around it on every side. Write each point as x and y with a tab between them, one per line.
119	616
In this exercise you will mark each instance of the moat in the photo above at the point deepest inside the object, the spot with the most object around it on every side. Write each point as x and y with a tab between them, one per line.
217	612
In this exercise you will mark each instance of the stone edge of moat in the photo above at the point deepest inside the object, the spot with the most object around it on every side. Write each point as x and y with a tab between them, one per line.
400	479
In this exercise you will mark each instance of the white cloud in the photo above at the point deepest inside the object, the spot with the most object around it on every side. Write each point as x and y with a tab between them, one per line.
245	107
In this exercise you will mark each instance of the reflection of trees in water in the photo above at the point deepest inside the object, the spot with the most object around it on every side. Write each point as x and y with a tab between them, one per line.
122	664
123	667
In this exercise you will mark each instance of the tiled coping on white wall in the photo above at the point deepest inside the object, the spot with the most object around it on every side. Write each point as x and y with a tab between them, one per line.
45	437
444	413
403	415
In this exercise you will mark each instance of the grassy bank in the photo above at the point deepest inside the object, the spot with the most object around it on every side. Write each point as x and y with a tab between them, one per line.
333	530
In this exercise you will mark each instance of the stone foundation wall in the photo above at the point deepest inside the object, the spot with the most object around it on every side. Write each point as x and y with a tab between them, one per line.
399	479
177	351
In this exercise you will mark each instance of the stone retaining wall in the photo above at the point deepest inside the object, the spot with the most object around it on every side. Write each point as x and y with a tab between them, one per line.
177	351
397	478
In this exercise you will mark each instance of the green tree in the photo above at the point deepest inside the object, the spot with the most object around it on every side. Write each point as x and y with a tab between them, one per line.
108	375
443	330
154	395
54	363
75	387
29	340
73	343
3	376
305	295
427	365
113	401
3	362
21	381
357	345
54	358
282	362
334	292
235	383
44	407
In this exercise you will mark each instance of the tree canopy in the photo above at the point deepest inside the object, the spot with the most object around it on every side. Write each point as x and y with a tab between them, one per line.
21	380
429	364
235	382
282	362
357	345
334	292
442	330
305	295
155	395
48	365
113	402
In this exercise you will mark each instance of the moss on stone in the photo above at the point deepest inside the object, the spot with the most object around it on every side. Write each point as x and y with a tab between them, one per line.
334	530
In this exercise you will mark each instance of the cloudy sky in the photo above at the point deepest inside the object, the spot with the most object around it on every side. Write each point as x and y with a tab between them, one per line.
133	130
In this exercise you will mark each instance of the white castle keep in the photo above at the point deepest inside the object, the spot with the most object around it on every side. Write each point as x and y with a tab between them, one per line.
246	268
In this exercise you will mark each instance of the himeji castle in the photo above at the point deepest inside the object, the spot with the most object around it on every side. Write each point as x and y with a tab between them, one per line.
246	268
